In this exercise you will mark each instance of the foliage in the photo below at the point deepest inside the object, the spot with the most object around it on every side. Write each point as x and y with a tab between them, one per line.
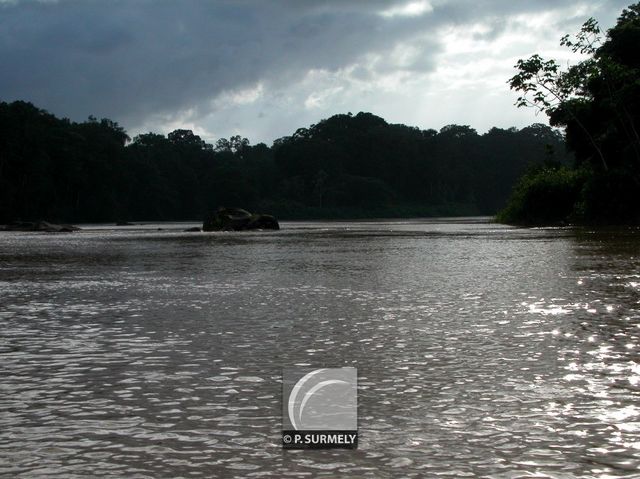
544	195
344	166
597	102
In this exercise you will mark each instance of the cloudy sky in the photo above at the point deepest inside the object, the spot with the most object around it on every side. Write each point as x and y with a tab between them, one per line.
263	68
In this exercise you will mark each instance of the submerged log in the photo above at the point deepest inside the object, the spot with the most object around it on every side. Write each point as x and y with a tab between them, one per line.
43	226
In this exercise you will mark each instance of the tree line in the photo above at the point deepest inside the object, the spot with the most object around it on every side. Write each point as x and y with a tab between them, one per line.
345	166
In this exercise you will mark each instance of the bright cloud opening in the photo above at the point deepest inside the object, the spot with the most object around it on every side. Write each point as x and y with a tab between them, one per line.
411	9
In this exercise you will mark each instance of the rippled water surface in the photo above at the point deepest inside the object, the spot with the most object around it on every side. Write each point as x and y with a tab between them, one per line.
482	350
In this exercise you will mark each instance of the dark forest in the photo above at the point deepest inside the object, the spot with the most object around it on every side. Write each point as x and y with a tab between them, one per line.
347	166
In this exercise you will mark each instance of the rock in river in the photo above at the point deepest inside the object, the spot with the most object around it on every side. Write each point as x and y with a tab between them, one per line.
237	219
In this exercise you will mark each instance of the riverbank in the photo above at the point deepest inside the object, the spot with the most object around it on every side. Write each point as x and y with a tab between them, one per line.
555	195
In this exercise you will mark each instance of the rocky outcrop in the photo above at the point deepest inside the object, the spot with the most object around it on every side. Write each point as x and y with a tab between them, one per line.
43	226
237	219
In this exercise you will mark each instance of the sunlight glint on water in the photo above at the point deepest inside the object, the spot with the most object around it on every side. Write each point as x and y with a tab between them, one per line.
482	350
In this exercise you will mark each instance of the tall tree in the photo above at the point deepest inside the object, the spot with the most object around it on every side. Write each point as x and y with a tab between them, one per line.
597	102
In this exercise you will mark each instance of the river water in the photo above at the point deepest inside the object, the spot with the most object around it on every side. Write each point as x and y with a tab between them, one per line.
482	350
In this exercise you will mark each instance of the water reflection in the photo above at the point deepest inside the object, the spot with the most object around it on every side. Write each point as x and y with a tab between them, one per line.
482	350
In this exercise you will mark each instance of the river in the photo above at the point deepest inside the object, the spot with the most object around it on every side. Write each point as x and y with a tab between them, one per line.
482	350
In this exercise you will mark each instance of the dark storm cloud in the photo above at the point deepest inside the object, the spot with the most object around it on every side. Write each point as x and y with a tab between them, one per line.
128	59
131	59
